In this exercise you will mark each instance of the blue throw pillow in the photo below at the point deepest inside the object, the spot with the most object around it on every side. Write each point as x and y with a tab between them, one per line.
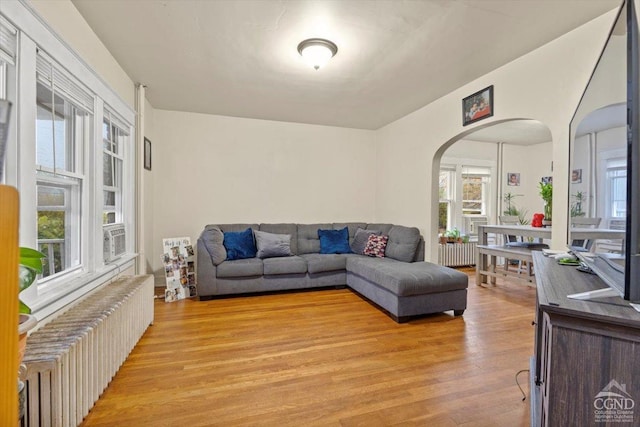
334	241
239	244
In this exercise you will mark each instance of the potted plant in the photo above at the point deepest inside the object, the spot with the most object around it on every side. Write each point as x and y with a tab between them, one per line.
453	236
546	192
30	265
576	207
512	210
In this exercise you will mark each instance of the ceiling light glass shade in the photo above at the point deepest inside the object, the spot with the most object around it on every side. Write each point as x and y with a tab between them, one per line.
317	52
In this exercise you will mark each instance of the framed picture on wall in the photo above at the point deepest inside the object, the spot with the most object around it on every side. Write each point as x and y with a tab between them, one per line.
576	176
513	179
477	106
147	154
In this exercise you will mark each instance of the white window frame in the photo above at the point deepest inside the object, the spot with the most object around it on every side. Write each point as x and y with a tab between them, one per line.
33	33
608	160
474	167
120	142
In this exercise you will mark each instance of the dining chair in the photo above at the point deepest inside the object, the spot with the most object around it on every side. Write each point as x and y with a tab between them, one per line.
582	222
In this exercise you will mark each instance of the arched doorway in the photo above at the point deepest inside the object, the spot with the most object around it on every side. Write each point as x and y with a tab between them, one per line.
470	170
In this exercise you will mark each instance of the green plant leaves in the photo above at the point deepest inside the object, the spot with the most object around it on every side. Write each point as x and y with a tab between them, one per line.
32	259
29	268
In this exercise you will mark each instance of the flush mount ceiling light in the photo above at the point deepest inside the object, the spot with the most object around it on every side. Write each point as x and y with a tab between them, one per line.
317	52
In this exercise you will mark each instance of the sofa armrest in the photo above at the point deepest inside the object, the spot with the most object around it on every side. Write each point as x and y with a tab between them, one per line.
420	251
205	272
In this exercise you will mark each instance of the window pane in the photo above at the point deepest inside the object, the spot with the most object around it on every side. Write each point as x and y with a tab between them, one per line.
58	226
443	216
58	125
109	218
50	196
51	238
107	171
110	199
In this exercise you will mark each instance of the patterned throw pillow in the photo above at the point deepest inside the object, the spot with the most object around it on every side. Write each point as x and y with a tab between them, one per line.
376	245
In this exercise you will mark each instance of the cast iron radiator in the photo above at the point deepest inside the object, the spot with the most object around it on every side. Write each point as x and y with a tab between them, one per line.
457	254
71	360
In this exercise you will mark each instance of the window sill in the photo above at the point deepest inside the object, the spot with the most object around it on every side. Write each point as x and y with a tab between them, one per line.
67	291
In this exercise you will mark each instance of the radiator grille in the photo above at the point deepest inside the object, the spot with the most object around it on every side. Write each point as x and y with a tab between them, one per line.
457	254
72	359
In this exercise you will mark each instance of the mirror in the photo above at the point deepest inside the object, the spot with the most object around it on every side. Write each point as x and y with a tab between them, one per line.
598	156
604	158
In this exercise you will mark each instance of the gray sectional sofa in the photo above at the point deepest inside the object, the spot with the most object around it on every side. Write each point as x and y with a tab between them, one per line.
400	283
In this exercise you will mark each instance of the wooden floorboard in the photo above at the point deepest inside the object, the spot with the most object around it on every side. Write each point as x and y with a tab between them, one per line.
326	358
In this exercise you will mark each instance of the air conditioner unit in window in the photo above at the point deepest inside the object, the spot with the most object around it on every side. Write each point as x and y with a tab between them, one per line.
471	224
114	241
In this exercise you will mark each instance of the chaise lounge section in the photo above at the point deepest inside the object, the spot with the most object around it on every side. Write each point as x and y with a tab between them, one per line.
400	283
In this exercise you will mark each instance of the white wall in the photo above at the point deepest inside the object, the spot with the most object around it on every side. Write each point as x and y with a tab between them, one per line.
544	85
467	149
532	162
213	169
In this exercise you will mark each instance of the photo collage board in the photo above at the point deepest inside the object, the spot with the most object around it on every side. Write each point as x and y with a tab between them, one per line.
179	268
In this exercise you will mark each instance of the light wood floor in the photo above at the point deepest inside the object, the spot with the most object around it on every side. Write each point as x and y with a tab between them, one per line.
326	358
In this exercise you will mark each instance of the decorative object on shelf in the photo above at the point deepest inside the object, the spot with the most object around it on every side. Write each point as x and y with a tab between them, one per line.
477	106
317	52
147	154
546	192
537	220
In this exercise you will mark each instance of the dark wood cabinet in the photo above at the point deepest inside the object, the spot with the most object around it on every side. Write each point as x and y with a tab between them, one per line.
586	367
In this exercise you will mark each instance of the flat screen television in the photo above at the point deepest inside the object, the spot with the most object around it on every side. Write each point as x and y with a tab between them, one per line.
604	172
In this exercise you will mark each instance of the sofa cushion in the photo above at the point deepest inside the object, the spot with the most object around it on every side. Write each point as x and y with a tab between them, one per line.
351	226
334	241
403	242
308	240
212	238
239	244
360	240
290	229
237	227
285	265
407	279
319	263
383	228
240	268
376	245
271	245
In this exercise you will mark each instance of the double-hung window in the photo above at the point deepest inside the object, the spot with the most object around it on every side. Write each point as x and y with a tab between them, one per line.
64	118
446	190
114	140
616	191
475	190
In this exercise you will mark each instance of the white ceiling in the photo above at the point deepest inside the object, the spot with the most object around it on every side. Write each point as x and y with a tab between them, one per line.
239	58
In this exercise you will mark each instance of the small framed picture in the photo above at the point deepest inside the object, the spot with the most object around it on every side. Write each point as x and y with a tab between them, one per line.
513	179
147	154
477	106
576	176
